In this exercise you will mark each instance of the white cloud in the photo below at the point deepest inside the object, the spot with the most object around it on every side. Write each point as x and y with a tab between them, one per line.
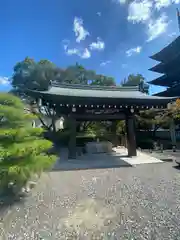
120	1
139	11
132	51
99	14
80	32
157	27
72	51
98	45
162	3
105	63
85	53
4	80
165	3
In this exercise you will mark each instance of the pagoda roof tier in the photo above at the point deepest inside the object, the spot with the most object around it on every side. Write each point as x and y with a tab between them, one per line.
159	68
166	81
168	67
170	92
169	52
96	95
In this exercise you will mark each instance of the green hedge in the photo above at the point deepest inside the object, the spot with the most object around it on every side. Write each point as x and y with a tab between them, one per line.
144	143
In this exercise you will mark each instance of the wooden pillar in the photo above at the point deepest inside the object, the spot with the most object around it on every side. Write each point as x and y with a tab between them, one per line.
72	138
131	135
173	134
113	131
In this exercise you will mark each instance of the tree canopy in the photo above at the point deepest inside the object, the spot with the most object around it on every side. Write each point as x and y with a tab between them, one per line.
133	80
23	149
37	75
136	80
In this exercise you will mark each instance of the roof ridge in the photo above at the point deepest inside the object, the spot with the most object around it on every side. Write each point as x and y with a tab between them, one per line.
95	87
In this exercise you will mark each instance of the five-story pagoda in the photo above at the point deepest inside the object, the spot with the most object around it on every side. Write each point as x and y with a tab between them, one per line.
169	58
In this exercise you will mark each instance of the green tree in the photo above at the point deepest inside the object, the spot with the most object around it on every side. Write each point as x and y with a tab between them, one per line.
121	128
102	80
38	75
133	80
153	119
23	150
75	74
136	80
33	75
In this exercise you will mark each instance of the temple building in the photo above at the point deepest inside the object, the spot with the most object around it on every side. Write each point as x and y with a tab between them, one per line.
169	58
97	103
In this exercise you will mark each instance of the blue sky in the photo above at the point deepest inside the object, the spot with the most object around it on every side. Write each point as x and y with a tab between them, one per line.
113	37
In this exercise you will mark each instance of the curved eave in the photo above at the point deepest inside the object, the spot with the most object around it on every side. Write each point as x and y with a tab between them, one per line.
170	92
159	68
161	81
165	81
89	96
170	51
160	93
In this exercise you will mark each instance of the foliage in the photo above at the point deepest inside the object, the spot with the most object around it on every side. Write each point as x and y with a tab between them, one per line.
145	142
101	80
23	151
151	120
98	128
121	127
33	75
77	74
38	75
173	112
133	80
136	80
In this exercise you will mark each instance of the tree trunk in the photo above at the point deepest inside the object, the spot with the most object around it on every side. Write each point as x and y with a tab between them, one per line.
154	132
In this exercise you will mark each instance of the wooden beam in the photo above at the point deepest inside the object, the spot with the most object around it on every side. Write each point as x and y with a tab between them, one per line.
99	117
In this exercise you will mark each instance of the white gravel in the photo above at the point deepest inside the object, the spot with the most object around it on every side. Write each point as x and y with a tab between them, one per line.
141	202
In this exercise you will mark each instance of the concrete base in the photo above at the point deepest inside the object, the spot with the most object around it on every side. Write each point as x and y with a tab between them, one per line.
99	147
115	159
141	157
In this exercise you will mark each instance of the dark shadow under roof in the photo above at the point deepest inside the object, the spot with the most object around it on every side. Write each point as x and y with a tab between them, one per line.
165	81
159	68
170	92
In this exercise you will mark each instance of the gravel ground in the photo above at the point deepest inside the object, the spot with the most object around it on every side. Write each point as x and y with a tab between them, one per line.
140	202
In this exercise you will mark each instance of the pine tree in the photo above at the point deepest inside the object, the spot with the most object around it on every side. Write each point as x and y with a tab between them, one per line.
23	150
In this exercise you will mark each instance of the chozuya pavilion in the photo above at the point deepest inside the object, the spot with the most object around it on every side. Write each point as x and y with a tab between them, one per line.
86	103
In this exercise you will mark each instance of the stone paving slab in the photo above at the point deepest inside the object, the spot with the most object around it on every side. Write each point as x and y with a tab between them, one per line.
92	161
141	158
118	158
163	156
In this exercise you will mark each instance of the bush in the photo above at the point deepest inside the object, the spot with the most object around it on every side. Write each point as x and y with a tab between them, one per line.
145	143
23	151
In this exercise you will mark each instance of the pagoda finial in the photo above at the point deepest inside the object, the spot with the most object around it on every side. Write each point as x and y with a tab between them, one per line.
178	16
